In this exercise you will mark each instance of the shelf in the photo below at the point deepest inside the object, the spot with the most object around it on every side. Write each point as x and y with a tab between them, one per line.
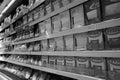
110	53
59	72
97	26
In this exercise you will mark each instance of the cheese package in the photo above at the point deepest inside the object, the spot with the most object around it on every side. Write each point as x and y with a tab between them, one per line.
30	17
52	60
48	7
56	23
111	9
70	61
68	41
112	38
83	62
56	4
37	46
77	17
81	41
44	60
52	45
36	13
59	44
114	68
48	27
95	40
61	61
65	20
92	11
65	2
42	11
44	45
42	28
25	19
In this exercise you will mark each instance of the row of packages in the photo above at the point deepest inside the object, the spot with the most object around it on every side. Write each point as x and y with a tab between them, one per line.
82	65
106	39
91	11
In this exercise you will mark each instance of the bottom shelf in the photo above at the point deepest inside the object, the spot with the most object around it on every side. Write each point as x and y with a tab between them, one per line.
63	71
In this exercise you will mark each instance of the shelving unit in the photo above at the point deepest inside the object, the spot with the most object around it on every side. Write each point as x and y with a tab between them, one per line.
113	53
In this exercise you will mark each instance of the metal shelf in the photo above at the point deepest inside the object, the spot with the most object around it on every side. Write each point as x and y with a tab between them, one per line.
107	53
54	71
97	26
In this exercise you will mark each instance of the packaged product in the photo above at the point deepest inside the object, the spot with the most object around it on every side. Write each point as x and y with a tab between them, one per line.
65	2
95	40
68	41
44	60
61	61
65	20
48	7
34	76
31	31
30	17
25	19
56	23
43	76
111	9
92	11
52	60
56	4
112	36
44	45
70	61
42	10
37	46
59	44
36	13
31	2
42	28
81	41
48	27
52	45
30	46
77	17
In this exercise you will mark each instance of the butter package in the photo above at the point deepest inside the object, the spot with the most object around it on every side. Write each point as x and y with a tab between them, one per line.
111	9
65	2
81	41
95	40
77	17
92	11
61	61
52	45
36	13
37	46
83	62
48	7
56	4
42	10
112	38
52	60
59	44
44	60
48	27
68	41
25	19
44	45
42	28
56	23
114	68
30	17
65	20
70	61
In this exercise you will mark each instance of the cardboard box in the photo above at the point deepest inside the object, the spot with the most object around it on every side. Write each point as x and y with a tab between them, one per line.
37	46
52	60
77	17
59	44
95	40
65	2
69	43
65	20
44	45
44	60
42	28
48	27
61	61
56	23
70	61
52	45
81	41
56	4
83	62
111	9
92	11
25	19
48	7
112	38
